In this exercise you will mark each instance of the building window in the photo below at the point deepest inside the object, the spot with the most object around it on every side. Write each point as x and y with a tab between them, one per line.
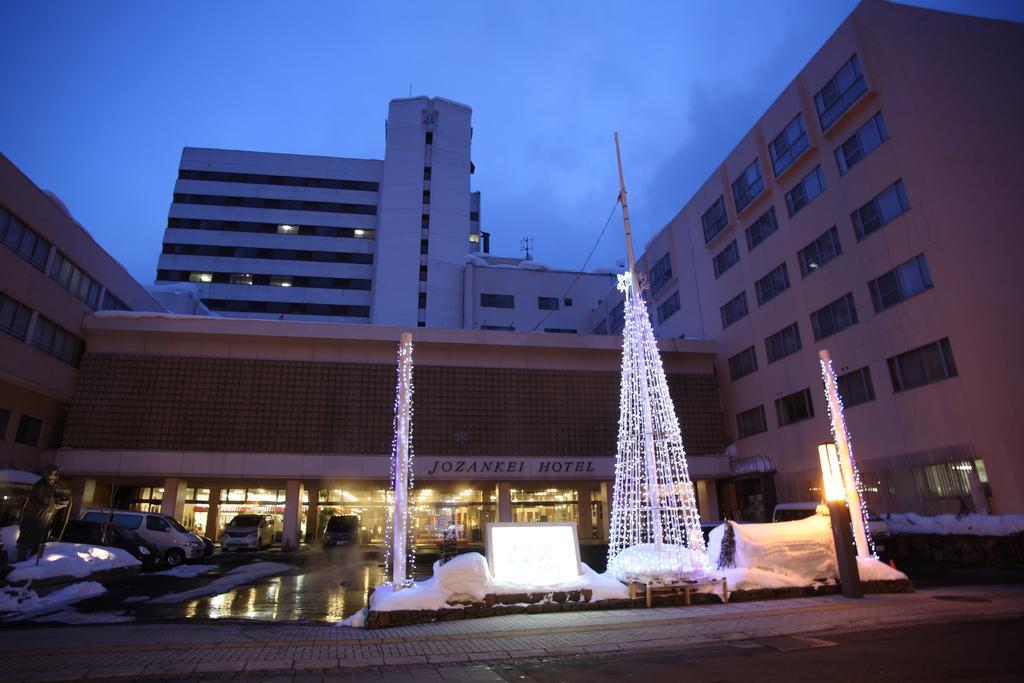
241	278
747	186
923	365
547	303
714	219
805	191
289	181
835	317
783	343
668	308
284	281
726	258
500	328
819	252
840	93
743	363
14	318
269	228
888	205
497	301
772	284
58	342
856	387
567	302
426	172
751	422
734	309
287	230
617	318
559	330
900	283
422	302
788	145
200	277
423	246
272	203
426	196
661	273
423	273
23	240
430	138
862	143
761	228
112	303
425	221
794	408
75	280
29	429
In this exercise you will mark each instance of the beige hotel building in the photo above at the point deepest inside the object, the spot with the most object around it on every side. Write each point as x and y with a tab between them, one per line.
870	211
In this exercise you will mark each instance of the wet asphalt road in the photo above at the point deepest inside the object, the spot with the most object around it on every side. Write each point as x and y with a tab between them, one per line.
323	585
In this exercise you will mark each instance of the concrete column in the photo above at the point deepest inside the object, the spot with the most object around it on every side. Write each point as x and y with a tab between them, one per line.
212	523
584	523
707	499
503	491
292	510
174	497
83	495
606	510
312	514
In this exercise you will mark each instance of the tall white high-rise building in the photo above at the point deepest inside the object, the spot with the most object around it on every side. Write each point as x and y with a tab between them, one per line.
266	235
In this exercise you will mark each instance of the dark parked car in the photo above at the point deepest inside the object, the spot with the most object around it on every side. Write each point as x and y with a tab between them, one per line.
207	546
97	533
341	530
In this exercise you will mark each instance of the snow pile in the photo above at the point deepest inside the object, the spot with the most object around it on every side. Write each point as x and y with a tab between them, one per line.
18	477
787	554
186	571
474	260
467	577
18	603
645	561
803	548
947	525
77	560
245	575
9	540
464	577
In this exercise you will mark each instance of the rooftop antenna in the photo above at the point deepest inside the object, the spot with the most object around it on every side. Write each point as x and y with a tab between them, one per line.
625	209
526	246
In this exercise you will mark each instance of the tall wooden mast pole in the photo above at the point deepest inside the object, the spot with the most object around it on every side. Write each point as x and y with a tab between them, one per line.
625	209
641	369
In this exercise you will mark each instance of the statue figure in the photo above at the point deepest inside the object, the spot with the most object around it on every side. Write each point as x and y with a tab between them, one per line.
43	502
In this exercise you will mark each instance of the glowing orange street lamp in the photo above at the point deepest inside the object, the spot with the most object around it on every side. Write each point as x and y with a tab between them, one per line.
839	516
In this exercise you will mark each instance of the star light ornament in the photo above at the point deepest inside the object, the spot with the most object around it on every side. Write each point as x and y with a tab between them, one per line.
655	524
854	489
399	545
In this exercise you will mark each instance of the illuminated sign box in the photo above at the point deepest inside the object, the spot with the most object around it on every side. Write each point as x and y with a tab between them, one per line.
536	554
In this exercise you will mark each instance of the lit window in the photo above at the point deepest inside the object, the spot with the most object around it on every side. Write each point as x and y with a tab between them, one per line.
200	277
288	229
474	237
359	232
241	278
280	281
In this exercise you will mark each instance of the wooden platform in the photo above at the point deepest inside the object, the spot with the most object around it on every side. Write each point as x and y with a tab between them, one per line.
685	588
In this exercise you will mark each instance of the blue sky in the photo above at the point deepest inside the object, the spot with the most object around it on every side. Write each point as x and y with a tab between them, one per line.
100	97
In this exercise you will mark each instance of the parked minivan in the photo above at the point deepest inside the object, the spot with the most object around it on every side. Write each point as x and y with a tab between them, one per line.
175	541
251	531
341	530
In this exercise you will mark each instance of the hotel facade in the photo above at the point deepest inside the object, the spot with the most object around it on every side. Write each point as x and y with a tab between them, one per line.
869	211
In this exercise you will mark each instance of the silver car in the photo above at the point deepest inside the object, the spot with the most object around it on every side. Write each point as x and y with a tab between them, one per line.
248	532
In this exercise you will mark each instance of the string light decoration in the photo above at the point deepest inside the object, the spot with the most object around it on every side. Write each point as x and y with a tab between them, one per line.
399	545
854	489
655	523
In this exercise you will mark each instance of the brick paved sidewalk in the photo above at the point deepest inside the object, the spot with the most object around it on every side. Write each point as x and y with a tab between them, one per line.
448	649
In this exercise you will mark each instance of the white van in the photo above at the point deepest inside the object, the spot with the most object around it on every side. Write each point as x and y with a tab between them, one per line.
175	541
251	531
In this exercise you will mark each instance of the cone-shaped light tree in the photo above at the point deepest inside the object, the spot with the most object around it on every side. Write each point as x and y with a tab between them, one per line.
399	549
655	523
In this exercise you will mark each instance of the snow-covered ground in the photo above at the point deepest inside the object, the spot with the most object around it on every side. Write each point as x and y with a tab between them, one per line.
76	560
17	603
787	554
947	525
239	576
186	571
467	577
